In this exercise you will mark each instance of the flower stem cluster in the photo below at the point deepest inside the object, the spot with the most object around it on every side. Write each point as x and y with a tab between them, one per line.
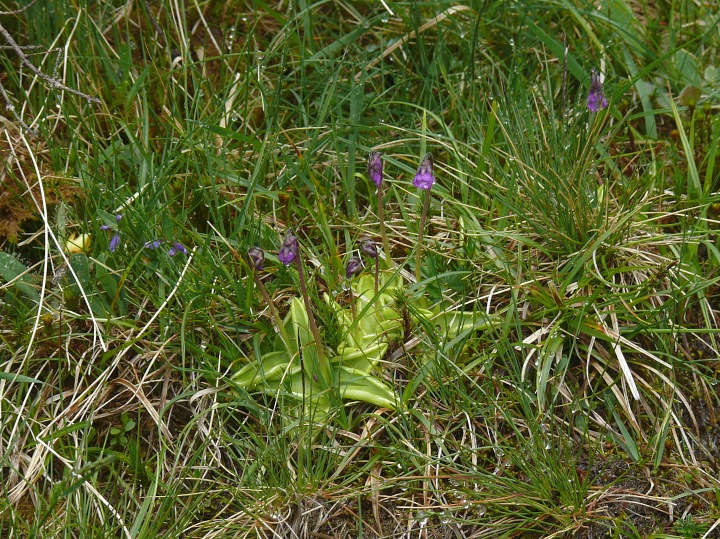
289	253
424	180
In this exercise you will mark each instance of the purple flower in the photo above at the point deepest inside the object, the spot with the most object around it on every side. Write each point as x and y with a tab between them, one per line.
154	244
108	227
424	178
375	168
354	266
369	247
257	257
596	98
289	249
115	240
176	248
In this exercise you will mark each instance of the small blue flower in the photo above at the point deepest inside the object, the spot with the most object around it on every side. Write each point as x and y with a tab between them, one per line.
177	248
154	244
369	247
115	240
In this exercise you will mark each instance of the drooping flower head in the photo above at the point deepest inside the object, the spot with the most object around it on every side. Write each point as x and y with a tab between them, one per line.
424	178
289	249
596	98
369	247
354	266
257	258
375	168
114	242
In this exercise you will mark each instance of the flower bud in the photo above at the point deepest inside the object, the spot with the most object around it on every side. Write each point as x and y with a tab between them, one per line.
354	266
369	247
257	258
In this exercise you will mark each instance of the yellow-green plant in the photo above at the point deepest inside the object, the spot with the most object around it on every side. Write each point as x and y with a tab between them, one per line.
292	369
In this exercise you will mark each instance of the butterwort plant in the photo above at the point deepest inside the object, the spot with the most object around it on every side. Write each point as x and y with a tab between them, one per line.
424	180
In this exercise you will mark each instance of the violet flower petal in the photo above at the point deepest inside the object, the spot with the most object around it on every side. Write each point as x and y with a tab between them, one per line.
596	98
375	168
424	178
369	247
289	249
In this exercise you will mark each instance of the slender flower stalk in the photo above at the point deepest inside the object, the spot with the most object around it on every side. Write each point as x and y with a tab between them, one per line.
375	172
424	180
354	266
257	263
369	247
289	253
